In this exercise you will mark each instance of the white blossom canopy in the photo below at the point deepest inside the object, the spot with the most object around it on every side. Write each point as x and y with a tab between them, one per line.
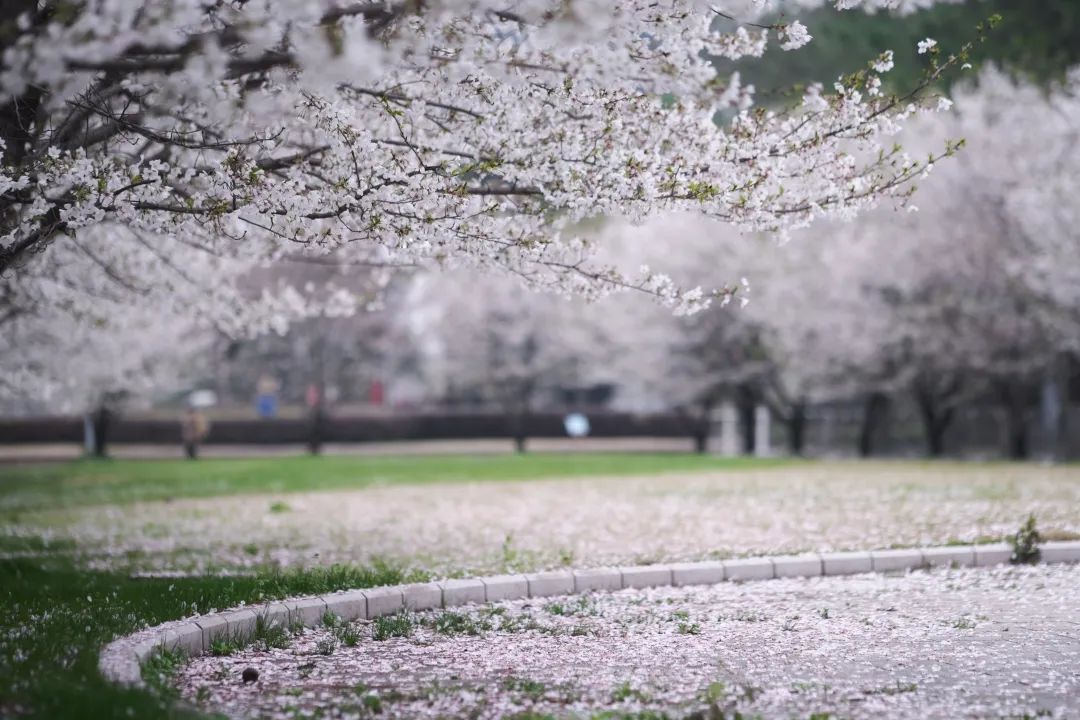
154	151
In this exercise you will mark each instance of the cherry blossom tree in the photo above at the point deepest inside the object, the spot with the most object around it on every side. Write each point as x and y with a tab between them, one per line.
348	343
798	338
488	341
71	339
689	363
971	294
996	262
55	362
179	144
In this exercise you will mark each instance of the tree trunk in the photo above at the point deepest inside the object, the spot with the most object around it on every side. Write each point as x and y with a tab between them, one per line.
1014	397
745	403
935	438
517	427
796	425
19	124
700	425
317	398
19	120
102	422
1018	439
1052	408
936	421
316	431
873	411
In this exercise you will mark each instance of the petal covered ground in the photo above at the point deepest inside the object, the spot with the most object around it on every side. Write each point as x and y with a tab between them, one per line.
960	643
470	528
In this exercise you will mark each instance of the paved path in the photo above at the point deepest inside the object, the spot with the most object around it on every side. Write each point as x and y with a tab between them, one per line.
947	644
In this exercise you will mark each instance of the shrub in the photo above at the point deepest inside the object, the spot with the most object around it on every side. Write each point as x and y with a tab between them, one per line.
1025	543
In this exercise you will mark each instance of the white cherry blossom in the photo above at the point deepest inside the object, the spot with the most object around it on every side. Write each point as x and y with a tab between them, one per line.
183	144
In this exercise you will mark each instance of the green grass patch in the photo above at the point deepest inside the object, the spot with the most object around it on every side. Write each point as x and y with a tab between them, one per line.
453	623
224	646
347	634
400	624
532	689
159	672
95	482
57	617
582	605
627	692
266	635
34	544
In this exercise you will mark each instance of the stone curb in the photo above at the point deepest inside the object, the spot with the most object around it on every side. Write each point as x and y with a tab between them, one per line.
121	660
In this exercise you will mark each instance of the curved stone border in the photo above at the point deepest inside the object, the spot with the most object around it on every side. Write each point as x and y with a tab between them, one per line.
121	660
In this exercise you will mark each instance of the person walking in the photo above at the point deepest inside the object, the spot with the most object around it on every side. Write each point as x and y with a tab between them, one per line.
194	427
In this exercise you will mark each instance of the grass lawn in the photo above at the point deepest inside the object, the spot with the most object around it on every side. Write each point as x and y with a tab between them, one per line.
96	482
55	617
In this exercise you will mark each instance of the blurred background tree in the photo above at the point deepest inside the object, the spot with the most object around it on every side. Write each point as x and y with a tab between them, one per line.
1038	40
